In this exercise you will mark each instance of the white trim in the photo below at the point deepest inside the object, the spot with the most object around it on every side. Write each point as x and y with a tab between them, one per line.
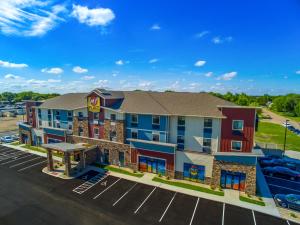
235	150
237	121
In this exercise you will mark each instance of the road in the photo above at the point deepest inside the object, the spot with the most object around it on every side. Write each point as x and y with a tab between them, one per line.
275	118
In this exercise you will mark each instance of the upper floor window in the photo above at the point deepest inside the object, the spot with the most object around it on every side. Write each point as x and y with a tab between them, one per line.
96	116
207	123
206	145
181	121
134	118
80	114
40	122
180	139
80	131
39	113
70	127
155	137
113	117
238	125
69	114
30	110
134	134
49	123
155	120
49	112
96	132
57	113
236	145
113	135
58	125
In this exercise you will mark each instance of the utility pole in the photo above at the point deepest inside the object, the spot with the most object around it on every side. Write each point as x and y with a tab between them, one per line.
284	144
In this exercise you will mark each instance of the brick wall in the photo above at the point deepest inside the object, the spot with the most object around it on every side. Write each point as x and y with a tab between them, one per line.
83	123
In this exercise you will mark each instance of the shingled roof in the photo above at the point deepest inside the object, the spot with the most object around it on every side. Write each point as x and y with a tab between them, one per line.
69	101
173	103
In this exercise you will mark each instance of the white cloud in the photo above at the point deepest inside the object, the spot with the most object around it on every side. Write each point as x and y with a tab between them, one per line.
155	27
29	17
202	34
11	65
153	61
200	63
93	17
298	72
53	81
220	40
120	62
101	83
146	85
54	70
87	77
11	77
227	76
78	69
209	74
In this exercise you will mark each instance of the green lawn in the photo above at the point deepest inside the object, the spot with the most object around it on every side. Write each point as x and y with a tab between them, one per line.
274	133
119	170
188	186
39	149
252	201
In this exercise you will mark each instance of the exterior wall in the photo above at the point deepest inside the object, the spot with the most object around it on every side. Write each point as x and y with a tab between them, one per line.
170	159
246	136
108	112
117	126
194	158
47	136
77	122
249	170
26	132
193	137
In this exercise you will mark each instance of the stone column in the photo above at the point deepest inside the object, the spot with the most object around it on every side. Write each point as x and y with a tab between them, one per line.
49	160
82	160
67	164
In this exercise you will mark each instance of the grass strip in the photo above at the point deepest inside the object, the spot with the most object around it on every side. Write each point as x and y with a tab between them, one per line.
119	170
188	186
252	201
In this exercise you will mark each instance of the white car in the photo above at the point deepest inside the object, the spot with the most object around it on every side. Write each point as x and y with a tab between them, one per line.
286	124
7	139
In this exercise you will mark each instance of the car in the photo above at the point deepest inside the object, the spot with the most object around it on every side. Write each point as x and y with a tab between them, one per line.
6	139
286	124
278	162
15	137
288	201
281	171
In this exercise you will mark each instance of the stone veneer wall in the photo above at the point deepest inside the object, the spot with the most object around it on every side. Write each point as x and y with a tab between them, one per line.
113	147
250	171
84	123
28	133
119	127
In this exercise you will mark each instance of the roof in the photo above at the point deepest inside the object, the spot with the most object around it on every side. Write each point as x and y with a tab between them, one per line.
173	103
108	94
64	147
69	101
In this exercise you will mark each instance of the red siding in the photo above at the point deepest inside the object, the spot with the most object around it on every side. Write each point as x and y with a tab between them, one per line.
46	136
91	131
246	136
168	157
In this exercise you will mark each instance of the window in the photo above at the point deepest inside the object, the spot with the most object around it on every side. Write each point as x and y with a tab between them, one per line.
113	135
96	116
70	127
80	131
49	123
80	114
134	118
207	123
69	114
57	116
39	113
113	117
49	112
207	145
106	156
155	136
236	145
57	113
238	125
180	139
30	110
134	134
96	132
58	125
40	122
181	121
155	120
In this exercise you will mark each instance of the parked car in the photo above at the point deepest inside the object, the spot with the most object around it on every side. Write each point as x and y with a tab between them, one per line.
15	137
286	124
281	171
278	162
6	139
288	201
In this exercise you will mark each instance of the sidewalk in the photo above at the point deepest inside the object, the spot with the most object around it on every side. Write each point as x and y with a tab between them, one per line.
230	197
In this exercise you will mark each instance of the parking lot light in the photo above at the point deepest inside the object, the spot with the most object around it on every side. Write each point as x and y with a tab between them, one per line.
284	144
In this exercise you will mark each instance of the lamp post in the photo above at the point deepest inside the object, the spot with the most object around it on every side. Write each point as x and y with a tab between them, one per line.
284	144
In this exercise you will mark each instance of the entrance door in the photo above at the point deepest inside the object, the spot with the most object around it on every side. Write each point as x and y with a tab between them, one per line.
233	180
151	165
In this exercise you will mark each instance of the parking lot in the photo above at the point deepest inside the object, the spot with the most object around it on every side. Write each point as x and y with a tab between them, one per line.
98	198
283	186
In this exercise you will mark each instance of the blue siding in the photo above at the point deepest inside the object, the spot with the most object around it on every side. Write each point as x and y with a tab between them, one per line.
63	115
247	160
24	127
153	147
145	122
54	132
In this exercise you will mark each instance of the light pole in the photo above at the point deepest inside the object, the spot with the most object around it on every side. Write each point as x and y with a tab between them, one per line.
286	121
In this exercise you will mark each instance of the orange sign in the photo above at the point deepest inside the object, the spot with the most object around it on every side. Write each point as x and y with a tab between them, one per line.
94	104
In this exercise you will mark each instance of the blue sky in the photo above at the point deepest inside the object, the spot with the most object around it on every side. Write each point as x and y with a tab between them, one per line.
190	45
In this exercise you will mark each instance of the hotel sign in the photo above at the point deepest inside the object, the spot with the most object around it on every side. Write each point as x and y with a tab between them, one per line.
94	104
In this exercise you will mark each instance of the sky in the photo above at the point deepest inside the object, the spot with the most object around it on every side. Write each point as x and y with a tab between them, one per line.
181	45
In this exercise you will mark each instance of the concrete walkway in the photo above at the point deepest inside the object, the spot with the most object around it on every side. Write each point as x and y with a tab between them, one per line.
231	197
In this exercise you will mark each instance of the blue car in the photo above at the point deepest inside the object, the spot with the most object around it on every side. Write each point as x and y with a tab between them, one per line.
278	162
288	201
280	171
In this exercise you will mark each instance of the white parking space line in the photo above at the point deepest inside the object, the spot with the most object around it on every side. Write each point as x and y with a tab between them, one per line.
116	202
162	216
194	211
135	212
25	168
288	222
254	220
223	213
18	164
12	156
290	189
107	188
89	184
23	157
8	152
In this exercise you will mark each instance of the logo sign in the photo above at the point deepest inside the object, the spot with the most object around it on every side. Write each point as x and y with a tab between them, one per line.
94	104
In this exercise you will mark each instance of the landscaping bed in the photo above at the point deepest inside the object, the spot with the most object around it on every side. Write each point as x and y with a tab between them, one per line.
120	170
188	186
252	200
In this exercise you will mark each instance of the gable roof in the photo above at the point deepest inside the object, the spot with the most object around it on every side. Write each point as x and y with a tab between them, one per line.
69	101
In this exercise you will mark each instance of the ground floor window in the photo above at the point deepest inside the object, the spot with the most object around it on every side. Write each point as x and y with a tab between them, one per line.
53	140
106	156
152	165
121	159
233	180
193	172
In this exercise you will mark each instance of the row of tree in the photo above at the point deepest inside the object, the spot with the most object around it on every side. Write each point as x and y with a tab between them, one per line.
288	104
27	95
